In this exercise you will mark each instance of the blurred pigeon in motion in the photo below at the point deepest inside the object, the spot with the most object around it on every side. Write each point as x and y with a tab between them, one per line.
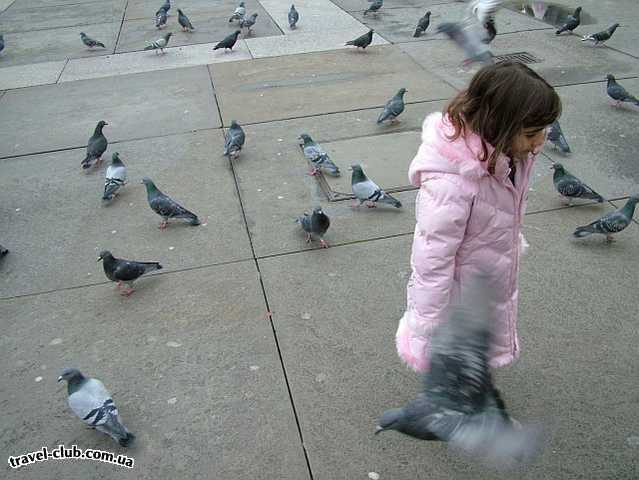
248	23
556	137
374	6
160	44
184	22
484	10
618	93
115	178
315	224
160	19
318	157
96	146
393	108
459	403
1	42
228	42
165	206
3	251
165	7
490	31
93	404
125	271
89	42
365	190
239	13
422	25
572	22
468	38
571	187
611	223
235	138
293	17
601	37
362	41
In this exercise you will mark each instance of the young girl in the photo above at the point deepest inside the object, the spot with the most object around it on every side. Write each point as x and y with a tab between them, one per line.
472	169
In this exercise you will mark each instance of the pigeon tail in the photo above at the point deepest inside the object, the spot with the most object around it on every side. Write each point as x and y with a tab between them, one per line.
151	266
149	47
194	220
417	33
127	441
584	231
113	427
391	201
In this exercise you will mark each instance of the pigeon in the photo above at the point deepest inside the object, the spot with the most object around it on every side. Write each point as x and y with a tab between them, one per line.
89	42
115	178
93	404
160	19
184	22
618	93
422	25
293	17
315	224
96	146
234	140
611	223
490	31
459	403
469	40
1	42
228	42
160	43
374	6
166	7
365	190
318	157
125	271
572	22
3	251
571	187
239	13
248	23
601	37
556	137
362	41
165	206
393	108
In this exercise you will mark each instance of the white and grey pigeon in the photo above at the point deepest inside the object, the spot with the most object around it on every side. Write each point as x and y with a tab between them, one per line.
184	22
422	25
159	44
374	6
318	157
572	22
469	39
557	138
92	403
239	13
601	37
160	19
115	178
618	93
235	139
89	42
293	17
569	186
459	403
124	271
166	207
248	22
96	146
393	108
316	223
367	191
611	223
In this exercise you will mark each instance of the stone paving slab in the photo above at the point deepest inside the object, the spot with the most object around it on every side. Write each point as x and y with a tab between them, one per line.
4	4
135	106
20	76
27	4
199	383
57	201
145	9
361	5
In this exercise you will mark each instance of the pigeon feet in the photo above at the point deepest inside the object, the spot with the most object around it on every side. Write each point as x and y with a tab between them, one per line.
323	243
371	205
127	292
163	225
313	172
610	238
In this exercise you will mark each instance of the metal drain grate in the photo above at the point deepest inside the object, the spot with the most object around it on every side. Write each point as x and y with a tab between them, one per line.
521	57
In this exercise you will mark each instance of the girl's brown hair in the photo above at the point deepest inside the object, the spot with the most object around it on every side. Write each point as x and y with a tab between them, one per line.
500	102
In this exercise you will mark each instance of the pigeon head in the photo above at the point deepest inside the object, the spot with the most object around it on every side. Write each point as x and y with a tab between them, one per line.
234	124
428	13
634	199
392	419
577	11
82	34
318	211
306	138
101	124
104	254
610	77
168	35
180	12
69	374
613	27
241	4
401	91
115	158
148	183
237	32
558	167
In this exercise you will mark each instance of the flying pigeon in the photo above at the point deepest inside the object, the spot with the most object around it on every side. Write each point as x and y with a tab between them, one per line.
422	25
611	223
318	157
165	206
248	23
1	42
483	10
365	190
468	39
160	19
315	224
160	43
293	17
618	93
572	22
239	13
93	404
459	403
235	138
393	108
96	146
228	42
362	41
601	37
89	42
556	137
374	6
166	7
571	187
184	22
490	31
125	271
115	178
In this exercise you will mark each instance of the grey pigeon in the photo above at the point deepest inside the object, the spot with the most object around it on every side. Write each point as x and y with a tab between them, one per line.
374	6
235	138
318	157
315	224
393	108
618	93
459	403
422	25
362	41
248	23
160	19
115	178
89	42
601	37
611	223
165	206
160	44
1	42
293	17
556	137
365	190
572	22
184	22
468	39
228	42
125	271
165	7
96	146
571	187
92	403
491	31
239	13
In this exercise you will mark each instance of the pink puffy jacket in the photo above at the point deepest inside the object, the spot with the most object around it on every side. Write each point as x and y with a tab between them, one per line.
467	220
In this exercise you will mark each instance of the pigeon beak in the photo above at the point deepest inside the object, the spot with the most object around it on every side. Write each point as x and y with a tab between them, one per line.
378	429
60	378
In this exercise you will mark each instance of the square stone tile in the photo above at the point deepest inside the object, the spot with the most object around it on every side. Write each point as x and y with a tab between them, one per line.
20	76
27	4
145	9
361	5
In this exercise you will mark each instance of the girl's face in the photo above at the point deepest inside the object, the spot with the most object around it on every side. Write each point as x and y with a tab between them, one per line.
530	140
